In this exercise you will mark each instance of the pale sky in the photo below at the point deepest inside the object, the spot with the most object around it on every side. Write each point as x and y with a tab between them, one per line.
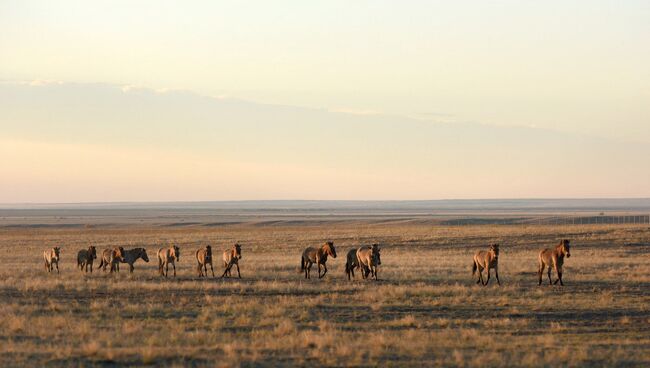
210	100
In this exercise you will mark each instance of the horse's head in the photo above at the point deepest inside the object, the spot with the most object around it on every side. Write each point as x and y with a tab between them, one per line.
119	253
237	250
494	249
177	252
566	247
56	250
329	248
92	251
376	254
143	255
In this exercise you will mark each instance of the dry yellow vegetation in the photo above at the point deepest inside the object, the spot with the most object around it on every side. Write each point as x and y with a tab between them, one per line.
424	310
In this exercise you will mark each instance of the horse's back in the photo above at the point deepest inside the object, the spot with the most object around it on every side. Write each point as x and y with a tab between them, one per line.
162	254
480	257
364	256
310	254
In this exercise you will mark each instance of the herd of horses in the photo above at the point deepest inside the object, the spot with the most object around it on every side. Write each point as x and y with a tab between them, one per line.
367	259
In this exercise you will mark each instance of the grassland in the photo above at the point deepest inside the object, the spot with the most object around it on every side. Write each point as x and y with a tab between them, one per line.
425	310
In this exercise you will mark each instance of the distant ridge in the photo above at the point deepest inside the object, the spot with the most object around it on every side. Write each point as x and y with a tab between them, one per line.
447	205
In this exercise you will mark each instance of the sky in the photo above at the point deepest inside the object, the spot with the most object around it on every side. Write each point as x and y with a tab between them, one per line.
222	100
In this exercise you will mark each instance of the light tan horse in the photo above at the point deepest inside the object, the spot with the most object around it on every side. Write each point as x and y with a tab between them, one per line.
554	258
369	258
86	257
486	260
51	257
351	263
167	256
204	258
319	256
231	257
112	257
132	255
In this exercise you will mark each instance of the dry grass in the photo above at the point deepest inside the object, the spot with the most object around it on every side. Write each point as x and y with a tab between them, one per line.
425	310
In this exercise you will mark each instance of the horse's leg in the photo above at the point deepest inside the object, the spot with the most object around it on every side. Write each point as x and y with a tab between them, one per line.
309	269
166	269
131	268
480	275
558	270
496	274
238	273
540	272
325	270
487	270
174	265
211	269
225	272
549	275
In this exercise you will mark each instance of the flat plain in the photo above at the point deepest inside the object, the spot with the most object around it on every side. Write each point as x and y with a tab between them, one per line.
425	310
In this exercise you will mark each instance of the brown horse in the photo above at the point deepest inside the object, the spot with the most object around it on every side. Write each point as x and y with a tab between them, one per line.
204	258
369	259
554	258
51	257
86	257
486	260
167	256
319	256
351	263
231	258
112	257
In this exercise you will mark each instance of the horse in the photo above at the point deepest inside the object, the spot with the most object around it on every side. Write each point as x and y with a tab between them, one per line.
486	260
231	257
369	259
132	255
554	257
316	255
51	257
86	257
204	258
167	256
351	263
112	257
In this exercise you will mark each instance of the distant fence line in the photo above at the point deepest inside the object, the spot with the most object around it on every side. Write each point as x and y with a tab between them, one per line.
551	220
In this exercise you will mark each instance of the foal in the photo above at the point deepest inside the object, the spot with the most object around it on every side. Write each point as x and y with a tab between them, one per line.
231	257
51	257
204	258
319	256
486	260
554	257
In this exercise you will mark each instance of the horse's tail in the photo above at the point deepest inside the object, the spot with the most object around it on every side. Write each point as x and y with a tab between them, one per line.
474	268
302	263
